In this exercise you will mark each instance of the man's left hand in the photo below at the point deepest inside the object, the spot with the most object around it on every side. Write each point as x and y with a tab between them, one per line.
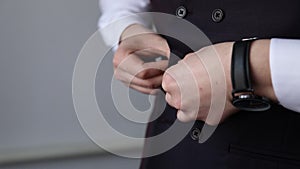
199	86
191	84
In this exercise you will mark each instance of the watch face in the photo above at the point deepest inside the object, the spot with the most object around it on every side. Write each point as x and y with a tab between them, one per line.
251	103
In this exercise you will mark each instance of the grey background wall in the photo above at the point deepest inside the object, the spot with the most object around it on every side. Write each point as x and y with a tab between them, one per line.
39	43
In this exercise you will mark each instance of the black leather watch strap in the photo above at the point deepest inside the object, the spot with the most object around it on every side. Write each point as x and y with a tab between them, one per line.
240	69
242	92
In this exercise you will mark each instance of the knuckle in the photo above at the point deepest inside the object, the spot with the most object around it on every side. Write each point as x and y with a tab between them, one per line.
167	79
168	99
177	103
117	75
189	55
122	47
116	61
120	54
173	101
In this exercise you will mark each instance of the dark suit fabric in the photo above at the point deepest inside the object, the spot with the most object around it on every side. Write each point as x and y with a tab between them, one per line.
247	140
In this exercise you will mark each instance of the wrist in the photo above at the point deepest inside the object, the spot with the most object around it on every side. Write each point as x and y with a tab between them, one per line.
133	30
250	73
260	69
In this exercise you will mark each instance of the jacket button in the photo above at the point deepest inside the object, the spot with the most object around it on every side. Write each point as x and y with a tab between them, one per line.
181	12
217	15
195	133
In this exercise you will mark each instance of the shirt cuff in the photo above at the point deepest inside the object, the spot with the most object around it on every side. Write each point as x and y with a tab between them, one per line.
111	32
285	72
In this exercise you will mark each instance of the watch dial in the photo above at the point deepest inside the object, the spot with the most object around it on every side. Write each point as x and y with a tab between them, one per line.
255	103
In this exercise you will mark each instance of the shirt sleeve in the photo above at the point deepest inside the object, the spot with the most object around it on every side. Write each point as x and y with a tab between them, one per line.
285	72
117	15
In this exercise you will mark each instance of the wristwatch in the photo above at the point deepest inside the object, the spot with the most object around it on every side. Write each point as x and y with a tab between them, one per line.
242	92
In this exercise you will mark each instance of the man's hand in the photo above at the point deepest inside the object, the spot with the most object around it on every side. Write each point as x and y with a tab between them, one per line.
203	78
137	45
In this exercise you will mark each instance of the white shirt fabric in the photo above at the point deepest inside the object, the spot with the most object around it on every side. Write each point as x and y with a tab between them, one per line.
285	71
117	15
284	53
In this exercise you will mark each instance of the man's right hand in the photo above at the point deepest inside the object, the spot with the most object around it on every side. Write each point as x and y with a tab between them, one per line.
137	43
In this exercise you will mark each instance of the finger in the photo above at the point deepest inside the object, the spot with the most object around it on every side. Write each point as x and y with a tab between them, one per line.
186	116
151	54
144	63
142	55
148	73
120	54
141	89
172	102
144	90
136	67
127	78
186	90
152	69
169	84
181	116
130	63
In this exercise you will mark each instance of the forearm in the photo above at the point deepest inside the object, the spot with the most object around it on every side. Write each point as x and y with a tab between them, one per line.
260	69
275	71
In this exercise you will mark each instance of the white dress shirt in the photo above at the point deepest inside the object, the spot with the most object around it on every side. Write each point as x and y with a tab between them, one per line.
284	53
118	15
285	71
